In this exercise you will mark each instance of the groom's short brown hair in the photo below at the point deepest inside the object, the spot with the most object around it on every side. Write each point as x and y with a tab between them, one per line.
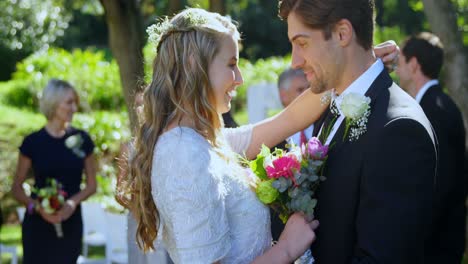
323	14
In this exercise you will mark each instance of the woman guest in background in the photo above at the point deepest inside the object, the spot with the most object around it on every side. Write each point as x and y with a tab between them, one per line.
183	173
61	152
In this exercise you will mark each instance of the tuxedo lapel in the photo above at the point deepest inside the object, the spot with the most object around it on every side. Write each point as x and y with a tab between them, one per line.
319	123
381	83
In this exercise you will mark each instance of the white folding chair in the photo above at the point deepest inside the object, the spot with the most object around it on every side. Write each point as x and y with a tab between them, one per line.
84	260
94	226
116	248
260	99
10	250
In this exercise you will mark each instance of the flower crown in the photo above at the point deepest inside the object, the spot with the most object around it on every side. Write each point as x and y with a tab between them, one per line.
159	31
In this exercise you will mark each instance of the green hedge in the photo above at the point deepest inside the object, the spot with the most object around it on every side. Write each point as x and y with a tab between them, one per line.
95	78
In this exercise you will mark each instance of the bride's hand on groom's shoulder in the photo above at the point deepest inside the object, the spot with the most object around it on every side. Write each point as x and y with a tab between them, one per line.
388	52
298	235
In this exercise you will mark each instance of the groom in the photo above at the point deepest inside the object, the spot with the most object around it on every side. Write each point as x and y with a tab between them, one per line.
376	203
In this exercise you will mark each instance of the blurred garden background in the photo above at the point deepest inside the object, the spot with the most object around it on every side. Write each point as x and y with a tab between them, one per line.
100	47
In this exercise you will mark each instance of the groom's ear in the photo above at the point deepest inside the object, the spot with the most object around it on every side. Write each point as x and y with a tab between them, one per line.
344	32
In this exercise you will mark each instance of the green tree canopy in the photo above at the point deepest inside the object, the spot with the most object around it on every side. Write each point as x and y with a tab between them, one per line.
30	24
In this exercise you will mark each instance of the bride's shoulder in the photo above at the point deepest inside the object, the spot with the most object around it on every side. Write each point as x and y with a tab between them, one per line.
181	148
181	139
182	158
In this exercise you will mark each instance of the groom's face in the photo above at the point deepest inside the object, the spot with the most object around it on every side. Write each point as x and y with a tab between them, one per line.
320	59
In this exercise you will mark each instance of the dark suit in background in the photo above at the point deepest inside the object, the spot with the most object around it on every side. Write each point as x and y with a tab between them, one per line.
419	67
447	241
229	121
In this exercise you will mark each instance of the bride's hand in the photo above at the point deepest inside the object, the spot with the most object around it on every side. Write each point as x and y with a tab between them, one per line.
388	51
298	235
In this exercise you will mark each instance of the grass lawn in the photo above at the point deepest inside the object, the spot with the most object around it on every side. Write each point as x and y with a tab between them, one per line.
11	235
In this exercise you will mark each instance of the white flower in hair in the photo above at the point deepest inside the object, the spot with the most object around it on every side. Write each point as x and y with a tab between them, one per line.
164	27
156	31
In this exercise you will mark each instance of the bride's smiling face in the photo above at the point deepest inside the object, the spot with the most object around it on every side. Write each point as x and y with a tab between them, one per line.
224	74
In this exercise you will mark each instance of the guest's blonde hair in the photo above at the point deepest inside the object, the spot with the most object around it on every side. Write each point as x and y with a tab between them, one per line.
186	46
52	94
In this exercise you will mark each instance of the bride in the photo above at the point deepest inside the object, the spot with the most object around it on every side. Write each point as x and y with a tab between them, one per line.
184	179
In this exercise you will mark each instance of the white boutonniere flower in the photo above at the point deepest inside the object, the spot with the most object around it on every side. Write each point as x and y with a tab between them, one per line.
356	109
74	143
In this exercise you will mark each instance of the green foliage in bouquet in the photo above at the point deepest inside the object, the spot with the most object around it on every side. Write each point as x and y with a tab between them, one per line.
51	197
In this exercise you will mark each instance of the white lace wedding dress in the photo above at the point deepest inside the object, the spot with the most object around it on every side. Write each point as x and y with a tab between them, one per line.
207	209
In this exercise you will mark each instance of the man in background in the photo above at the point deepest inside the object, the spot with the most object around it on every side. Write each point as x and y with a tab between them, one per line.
291	83
419	66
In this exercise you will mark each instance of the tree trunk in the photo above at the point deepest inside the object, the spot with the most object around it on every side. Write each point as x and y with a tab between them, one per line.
218	6
379	7
443	21
174	7
123	18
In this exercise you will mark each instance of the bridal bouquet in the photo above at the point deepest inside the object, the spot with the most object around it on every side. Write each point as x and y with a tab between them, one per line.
51	199
287	180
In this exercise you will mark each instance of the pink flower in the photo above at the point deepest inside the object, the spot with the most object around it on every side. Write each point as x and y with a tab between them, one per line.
283	167
316	150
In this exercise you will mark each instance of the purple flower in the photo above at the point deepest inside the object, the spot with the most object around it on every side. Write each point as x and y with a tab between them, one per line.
316	150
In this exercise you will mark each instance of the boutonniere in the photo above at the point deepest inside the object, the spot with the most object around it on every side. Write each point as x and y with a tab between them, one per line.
356	109
74	143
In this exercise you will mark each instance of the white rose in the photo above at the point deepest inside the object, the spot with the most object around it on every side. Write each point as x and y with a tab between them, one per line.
74	141
71	141
354	105
296	151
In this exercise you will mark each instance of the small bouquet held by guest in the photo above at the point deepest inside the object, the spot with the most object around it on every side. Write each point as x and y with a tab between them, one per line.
287	180
51	199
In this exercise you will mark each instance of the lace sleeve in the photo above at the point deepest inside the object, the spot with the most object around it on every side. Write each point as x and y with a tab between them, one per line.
239	138
190	200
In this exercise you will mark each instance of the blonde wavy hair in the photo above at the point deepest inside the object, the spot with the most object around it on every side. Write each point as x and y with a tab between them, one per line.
180	87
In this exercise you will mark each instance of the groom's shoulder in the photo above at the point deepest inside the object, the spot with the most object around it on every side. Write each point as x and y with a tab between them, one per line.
402	105
396	108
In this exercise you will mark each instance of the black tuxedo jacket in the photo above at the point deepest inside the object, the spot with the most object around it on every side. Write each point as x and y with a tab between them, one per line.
376	204
446	243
